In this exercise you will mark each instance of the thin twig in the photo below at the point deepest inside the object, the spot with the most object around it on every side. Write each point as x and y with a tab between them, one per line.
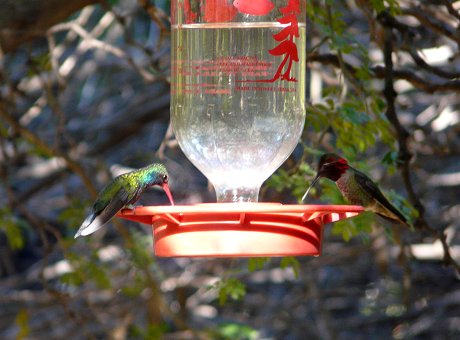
157	15
92	42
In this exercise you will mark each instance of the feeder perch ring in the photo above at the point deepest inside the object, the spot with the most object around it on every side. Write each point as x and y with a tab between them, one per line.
238	229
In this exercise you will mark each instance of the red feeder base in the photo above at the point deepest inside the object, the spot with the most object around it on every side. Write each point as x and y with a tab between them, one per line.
238	229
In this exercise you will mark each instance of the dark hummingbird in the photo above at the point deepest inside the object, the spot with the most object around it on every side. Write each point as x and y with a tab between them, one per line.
123	191
355	186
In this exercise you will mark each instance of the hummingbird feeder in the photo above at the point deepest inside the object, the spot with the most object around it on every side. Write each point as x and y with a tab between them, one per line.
238	111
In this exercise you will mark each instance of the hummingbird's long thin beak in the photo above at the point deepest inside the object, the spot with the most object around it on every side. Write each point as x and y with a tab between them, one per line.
311	186
165	187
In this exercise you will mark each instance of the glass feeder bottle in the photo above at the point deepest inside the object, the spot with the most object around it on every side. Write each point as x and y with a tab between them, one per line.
238	88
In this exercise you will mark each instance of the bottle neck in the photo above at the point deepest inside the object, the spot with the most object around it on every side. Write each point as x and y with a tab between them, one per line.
238	194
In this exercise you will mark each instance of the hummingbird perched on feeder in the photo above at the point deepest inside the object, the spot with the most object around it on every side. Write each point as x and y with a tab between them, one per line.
123	191
356	187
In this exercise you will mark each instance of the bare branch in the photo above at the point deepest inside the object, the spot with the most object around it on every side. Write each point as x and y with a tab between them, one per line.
435	70
91	42
450	8
380	71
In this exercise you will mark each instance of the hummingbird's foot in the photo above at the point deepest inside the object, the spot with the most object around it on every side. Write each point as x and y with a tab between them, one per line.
128	207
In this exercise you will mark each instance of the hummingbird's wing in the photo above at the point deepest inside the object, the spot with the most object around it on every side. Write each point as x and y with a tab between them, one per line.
111	199
369	186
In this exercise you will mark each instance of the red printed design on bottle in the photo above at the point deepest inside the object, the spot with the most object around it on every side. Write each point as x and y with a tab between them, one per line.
287	45
220	51
254	7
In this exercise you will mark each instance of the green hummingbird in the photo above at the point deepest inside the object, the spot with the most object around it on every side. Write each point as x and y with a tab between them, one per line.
356	187
123	191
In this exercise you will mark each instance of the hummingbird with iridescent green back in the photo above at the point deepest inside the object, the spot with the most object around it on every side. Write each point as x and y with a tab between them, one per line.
122	192
356	187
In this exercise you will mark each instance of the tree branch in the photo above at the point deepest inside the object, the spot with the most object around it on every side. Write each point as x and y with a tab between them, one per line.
431	22
380	71
23	20
404	155
450	8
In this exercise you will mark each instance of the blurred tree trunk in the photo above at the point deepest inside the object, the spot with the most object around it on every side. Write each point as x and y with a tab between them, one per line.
24	20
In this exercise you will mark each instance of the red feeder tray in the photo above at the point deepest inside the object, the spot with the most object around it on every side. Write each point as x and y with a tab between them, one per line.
238	229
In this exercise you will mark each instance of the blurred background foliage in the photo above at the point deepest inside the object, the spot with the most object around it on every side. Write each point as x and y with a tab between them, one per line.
84	96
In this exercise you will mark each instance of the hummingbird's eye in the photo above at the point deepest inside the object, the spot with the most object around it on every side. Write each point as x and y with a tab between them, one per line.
165	178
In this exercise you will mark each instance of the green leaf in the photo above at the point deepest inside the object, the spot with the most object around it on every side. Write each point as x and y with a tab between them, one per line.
40	62
363	73
13	228
155	331
381	5
152	331
403	205
354	115
233	331
378	5
345	229
229	287
22	321
257	263
99	276
351	227
390	158
72	278
13	235
291	262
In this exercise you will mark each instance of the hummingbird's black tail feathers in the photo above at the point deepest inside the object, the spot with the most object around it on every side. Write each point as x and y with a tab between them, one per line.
400	220
383	207
97	220
392	213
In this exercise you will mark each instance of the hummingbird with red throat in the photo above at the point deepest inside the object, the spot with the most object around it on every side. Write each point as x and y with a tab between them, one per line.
356	187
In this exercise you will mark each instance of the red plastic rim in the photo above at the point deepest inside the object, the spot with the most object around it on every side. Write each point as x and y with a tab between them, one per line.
238	229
